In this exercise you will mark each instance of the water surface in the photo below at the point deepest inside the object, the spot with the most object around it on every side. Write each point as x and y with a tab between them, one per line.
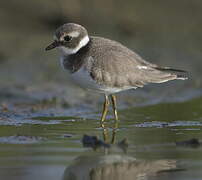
41	147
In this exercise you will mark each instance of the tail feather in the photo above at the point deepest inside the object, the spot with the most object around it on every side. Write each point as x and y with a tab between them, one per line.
170	69
180	74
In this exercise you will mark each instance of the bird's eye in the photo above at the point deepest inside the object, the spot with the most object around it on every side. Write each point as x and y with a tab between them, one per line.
67	38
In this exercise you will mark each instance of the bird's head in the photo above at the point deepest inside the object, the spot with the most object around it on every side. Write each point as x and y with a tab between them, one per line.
69	39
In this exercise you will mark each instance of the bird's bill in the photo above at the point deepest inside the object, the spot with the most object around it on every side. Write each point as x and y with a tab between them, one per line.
52	46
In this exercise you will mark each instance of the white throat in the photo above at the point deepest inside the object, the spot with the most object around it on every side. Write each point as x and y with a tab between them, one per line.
68	51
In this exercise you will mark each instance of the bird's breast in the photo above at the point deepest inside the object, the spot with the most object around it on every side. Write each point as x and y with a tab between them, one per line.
83	79
70	63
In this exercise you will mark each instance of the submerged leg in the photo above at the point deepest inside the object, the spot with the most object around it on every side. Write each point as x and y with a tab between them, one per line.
114	134
105	110
104	113
114	106
113	98
105	134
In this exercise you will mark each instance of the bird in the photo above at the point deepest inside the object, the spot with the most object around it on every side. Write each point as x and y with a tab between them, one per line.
115	166
106	66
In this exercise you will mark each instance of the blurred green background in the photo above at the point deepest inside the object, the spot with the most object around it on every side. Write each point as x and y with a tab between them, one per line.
165	32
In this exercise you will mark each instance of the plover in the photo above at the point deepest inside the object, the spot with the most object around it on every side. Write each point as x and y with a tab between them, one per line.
106	66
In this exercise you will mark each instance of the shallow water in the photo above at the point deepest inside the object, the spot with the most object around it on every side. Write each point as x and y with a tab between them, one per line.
41	147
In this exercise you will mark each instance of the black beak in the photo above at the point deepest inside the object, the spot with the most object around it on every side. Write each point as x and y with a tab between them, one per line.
52	45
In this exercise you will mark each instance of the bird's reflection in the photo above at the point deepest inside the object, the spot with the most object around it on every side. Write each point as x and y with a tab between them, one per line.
115	167
106	132
100	165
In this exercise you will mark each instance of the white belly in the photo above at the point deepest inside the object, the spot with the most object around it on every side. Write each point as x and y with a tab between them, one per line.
83	79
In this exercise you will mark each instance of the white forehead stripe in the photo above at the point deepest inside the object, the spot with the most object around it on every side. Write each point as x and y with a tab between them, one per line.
68	51
74	34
